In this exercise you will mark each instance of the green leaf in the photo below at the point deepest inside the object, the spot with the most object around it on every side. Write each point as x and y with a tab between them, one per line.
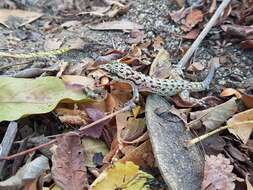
22	97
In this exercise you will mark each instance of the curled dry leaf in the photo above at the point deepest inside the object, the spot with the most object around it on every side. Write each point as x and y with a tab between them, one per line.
192	35
192	19
130	129
218	173
68	170
161	66
246	98
240	129
230	92
196	66
213	117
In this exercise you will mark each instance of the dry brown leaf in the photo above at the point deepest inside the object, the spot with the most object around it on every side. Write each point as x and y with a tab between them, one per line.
192	19
192	35
213	117
68	170
196	66
242	32
230	92
247	44
117	25
218	173
111	103
247	99
23	17
72	117
141	155
243	131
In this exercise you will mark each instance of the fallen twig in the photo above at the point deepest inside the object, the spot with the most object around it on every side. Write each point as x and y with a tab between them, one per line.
7	141
203	34
202	137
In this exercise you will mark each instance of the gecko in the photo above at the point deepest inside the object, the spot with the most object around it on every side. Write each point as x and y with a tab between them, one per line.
164	87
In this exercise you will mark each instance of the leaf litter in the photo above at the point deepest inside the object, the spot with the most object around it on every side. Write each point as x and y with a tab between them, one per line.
111	153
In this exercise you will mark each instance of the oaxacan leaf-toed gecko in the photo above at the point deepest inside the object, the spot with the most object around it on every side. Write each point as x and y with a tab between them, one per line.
164	87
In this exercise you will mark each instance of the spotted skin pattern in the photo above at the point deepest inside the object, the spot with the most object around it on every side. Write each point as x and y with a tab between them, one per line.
164	87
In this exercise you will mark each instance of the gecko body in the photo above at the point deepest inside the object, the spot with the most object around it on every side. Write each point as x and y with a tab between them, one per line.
164	87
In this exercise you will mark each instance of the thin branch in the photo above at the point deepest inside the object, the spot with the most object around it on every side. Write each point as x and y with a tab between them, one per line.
202	137
28	150
79	132
128	107
7	142
203	34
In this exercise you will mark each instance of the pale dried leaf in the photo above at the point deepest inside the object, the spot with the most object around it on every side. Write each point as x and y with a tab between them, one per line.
213	117
30	171
242	131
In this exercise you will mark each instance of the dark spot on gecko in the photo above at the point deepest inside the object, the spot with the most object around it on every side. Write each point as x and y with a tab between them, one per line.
137	78
128	74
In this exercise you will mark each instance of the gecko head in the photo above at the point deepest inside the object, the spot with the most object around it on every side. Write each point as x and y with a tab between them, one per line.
116	70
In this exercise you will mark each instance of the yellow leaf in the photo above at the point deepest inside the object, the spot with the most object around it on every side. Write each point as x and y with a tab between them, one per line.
122	176
22	97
